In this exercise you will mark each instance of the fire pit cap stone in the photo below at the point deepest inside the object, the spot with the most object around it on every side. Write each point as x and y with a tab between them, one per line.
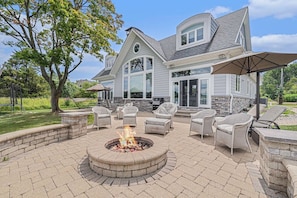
104	155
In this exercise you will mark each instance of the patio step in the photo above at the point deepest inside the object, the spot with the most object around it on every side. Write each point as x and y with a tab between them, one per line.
184	112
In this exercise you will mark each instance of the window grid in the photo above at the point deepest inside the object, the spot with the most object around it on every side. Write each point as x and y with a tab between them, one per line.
138	78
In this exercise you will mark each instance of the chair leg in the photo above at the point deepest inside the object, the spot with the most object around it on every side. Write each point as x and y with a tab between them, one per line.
248	143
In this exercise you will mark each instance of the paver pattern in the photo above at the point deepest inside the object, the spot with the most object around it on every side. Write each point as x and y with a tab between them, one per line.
201	170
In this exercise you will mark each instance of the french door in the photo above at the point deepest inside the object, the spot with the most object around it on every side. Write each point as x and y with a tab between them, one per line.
191	92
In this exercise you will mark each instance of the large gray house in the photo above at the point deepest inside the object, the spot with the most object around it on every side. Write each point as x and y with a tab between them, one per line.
178	68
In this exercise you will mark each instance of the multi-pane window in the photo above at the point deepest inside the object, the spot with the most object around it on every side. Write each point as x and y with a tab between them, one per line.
192	34
138	78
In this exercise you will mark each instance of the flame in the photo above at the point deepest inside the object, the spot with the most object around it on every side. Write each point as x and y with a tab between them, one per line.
127	139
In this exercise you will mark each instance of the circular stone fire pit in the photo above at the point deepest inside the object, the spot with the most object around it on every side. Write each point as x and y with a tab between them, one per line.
110	163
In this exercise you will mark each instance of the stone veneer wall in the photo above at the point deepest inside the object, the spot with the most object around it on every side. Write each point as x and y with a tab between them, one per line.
222	104
275	147
15	143
240	104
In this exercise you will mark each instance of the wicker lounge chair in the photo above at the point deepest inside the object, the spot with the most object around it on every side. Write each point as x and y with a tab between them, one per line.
166	111
102	116
129	115
233	131
202	122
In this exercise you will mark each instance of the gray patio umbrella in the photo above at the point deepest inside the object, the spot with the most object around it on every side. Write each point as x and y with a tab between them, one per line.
254	62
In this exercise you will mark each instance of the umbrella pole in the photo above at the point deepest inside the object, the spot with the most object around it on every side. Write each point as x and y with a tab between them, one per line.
258	96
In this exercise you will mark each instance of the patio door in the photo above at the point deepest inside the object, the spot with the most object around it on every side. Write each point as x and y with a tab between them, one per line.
185	92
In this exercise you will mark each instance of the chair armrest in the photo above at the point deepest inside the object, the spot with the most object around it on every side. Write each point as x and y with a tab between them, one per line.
268	122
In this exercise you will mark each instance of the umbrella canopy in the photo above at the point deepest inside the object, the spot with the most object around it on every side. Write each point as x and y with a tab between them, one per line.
98	87
254	62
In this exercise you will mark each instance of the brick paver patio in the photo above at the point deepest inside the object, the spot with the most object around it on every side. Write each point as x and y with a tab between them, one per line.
61	169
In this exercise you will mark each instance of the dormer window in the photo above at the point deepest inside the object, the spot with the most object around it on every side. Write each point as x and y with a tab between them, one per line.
192	34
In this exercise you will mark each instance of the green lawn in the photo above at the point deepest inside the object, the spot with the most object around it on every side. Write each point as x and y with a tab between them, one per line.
23	120
289	127
10	122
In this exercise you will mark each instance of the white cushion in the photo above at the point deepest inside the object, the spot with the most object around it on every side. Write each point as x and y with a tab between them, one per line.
227	128
197	120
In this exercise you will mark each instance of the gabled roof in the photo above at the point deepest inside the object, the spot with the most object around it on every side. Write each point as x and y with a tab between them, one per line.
224	38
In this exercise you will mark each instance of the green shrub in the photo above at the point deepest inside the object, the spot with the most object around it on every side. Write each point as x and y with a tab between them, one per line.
290	97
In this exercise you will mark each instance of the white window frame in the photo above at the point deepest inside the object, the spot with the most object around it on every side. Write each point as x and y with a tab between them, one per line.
144	72
195	36
208	102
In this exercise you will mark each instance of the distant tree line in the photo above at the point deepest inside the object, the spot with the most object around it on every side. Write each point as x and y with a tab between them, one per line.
28	83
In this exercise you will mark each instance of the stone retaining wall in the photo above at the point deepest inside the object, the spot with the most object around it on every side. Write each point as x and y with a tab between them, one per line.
292	177
15	143
275	147
73	125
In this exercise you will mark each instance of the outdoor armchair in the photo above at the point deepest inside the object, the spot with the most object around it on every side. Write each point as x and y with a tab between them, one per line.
166	111
129	115
233	131
202	122
102	116
119	110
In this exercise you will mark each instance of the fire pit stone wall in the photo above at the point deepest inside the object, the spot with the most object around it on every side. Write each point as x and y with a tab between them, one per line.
131	164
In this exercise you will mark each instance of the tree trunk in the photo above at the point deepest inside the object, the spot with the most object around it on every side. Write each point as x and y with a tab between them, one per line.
55	95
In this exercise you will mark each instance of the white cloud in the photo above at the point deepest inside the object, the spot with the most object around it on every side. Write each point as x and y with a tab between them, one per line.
279	9
275	43
217	11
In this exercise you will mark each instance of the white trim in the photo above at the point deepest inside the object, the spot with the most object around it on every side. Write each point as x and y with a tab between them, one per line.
207	76
143	73
208	105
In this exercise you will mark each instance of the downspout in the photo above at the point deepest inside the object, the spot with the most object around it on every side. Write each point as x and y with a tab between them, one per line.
231	100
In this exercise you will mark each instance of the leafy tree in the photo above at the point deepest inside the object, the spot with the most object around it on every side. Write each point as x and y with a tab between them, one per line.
55	34
70	89
83	93
271	81
291	86
24	77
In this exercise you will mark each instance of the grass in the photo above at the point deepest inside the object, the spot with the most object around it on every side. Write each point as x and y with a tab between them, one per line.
24	120
11	122
289	127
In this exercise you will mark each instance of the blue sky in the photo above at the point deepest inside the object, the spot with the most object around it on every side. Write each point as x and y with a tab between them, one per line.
272	22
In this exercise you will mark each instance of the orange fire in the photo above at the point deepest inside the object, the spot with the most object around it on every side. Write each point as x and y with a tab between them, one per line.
127	138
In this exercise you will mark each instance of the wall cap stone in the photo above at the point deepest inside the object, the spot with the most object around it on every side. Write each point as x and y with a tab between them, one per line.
24	132
277	135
